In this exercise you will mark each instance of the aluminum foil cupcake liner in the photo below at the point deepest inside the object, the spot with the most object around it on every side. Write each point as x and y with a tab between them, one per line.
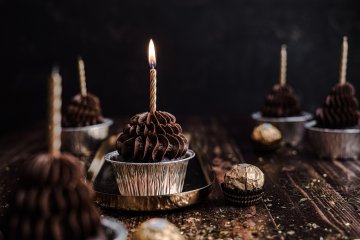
292	128
149	179
334	143
84	141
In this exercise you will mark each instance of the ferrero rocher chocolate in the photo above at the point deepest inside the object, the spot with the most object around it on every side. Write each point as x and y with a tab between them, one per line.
157	229
243	185
266	134
244	177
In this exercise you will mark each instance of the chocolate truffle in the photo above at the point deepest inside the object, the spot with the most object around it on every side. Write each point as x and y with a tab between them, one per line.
243	184
52	201
266	136
157	229
152	137
340	109
281	102
83	111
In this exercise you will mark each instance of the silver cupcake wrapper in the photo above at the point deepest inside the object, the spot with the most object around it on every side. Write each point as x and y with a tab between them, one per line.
292	128
84	141
149	179
334	143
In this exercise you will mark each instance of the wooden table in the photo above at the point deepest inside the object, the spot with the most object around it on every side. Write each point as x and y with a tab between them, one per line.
305	197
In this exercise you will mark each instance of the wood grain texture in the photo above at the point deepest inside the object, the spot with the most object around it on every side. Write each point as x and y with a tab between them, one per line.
305	197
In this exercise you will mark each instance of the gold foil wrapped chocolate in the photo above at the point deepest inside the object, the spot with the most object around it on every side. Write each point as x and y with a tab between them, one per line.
266	134
244	177
157	229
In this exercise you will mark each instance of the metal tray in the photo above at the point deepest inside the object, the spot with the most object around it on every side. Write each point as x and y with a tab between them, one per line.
197	186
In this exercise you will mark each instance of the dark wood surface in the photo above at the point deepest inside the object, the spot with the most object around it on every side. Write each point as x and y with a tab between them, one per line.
305	197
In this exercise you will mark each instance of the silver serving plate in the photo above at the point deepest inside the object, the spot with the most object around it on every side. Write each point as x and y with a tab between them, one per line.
197	186
334	143
292	128
84	141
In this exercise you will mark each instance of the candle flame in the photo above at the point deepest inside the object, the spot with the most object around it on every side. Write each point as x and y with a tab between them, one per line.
152	56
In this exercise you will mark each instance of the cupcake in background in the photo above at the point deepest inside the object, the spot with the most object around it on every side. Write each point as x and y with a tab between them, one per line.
84	127
282	108
340	109
336	133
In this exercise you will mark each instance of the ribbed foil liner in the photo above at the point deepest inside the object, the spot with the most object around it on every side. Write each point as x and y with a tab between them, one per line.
84	141
334	143
149	179
292	128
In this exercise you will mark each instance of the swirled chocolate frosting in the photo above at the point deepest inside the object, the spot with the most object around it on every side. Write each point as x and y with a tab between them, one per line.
52	201
83	111
340	109
281	102
152	137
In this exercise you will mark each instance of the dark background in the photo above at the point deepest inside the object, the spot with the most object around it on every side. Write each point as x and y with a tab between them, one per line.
214	57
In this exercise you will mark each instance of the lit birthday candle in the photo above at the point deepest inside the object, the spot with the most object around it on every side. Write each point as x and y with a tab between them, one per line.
152	63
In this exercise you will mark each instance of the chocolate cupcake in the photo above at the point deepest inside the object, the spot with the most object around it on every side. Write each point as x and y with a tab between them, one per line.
281	102
340	109
152	152
52	201
83	111
336	132
152	155
282	108
152	137
84	127
243	185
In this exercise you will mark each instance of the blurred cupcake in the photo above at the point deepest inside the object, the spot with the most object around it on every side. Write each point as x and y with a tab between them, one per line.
243	185
152	152
84	127
336	132
282	108
51	199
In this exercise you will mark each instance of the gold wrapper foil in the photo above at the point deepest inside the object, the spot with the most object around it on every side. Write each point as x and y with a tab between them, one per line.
157	229
245	177
266	134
